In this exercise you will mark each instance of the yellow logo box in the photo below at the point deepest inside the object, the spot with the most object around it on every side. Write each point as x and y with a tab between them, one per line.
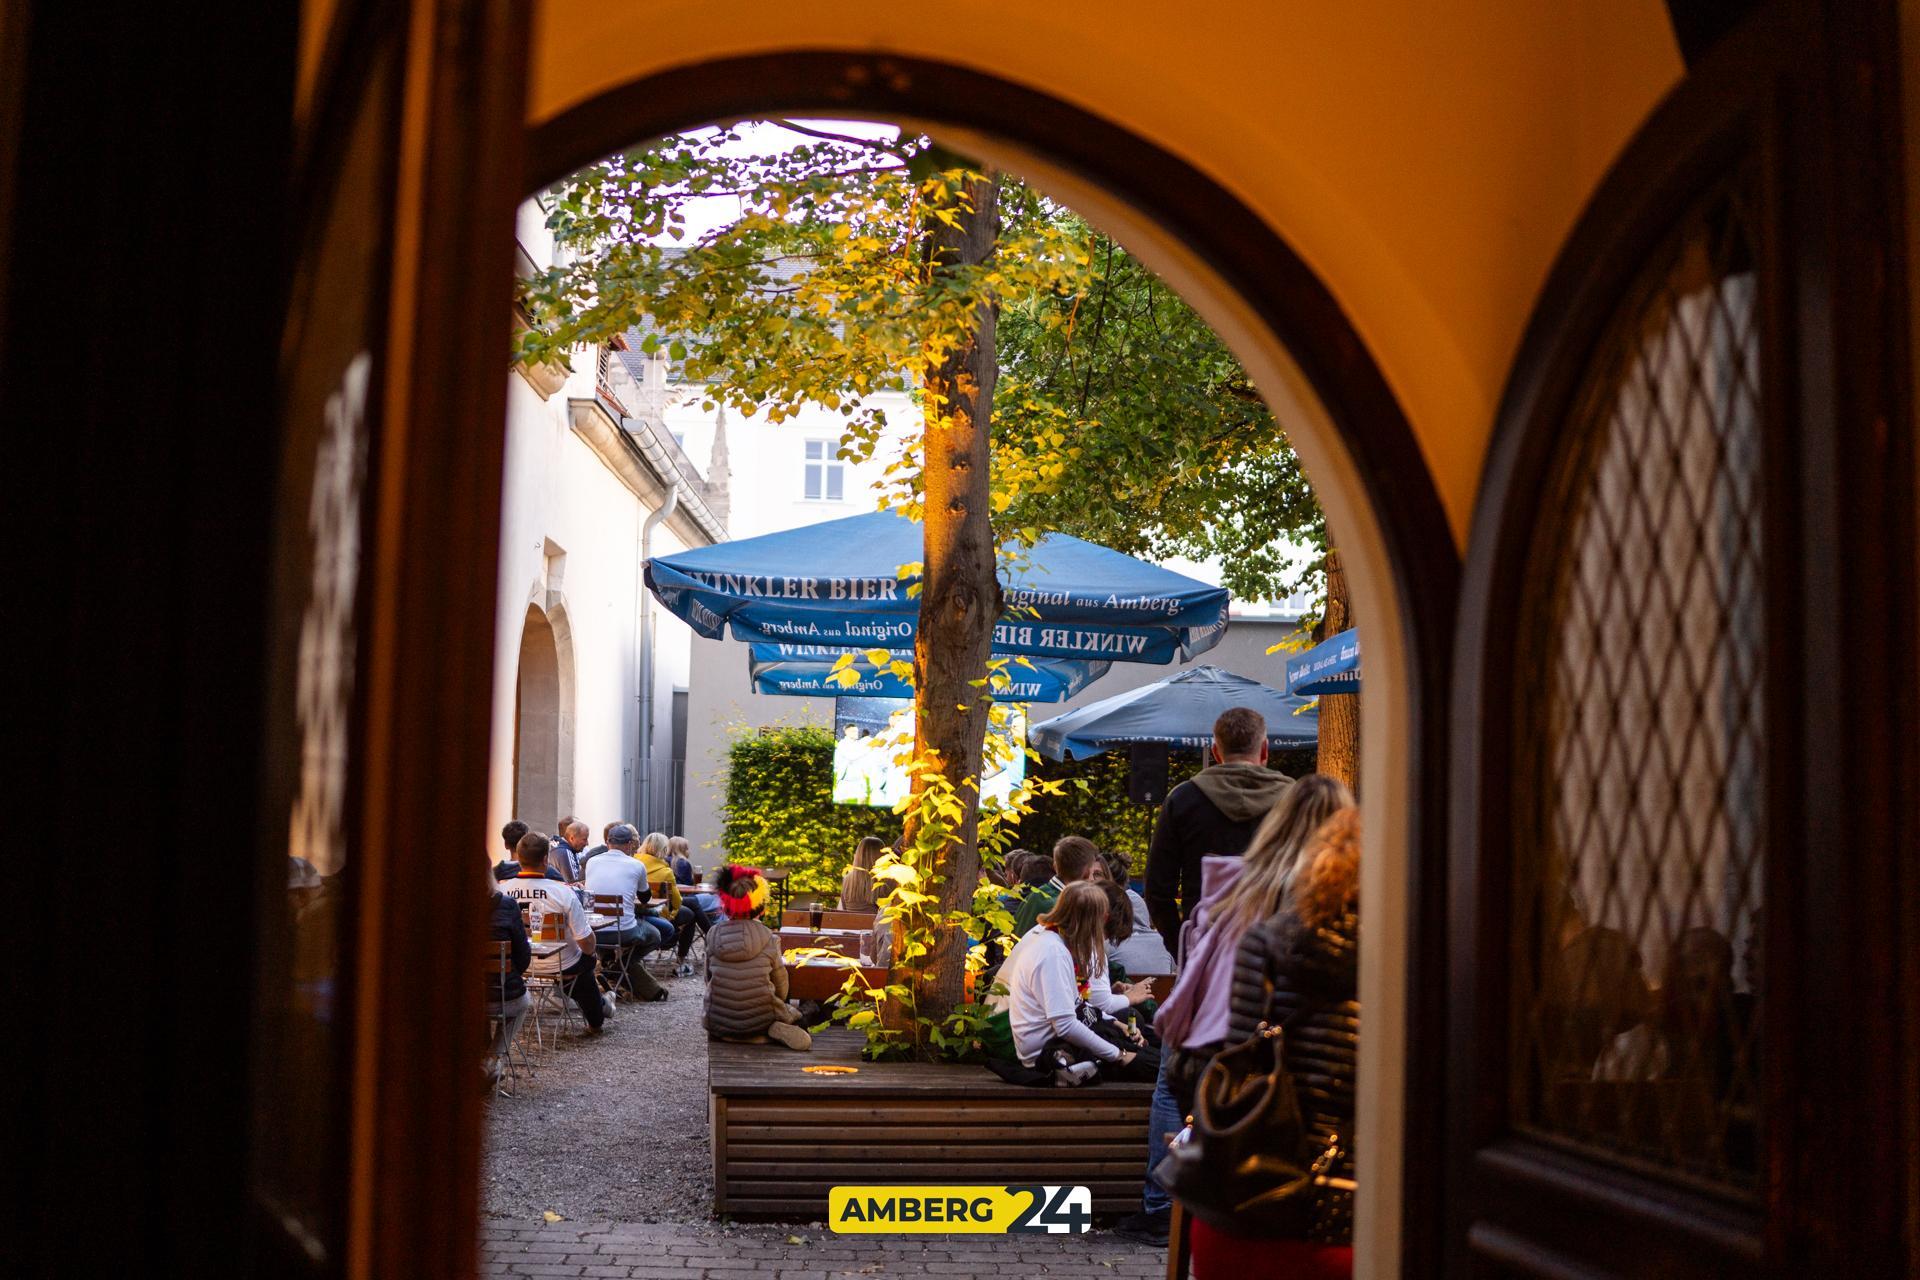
963	1210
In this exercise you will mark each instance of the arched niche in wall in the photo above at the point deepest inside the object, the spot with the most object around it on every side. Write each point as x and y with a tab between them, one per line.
543	718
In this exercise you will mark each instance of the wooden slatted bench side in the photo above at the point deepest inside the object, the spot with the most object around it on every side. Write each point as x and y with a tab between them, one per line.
780	1155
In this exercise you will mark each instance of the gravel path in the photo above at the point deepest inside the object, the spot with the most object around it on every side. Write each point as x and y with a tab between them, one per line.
613	1128
612	1136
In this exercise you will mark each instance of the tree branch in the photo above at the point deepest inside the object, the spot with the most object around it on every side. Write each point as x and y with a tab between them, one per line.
871	144
1099	323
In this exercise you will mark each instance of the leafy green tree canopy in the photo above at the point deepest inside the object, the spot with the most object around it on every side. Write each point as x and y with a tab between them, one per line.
1119	416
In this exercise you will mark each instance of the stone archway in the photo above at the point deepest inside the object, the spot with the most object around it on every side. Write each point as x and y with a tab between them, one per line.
543	721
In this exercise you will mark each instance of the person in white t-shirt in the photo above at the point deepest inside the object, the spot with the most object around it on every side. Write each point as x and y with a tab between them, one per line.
1050	975
616	872
574	964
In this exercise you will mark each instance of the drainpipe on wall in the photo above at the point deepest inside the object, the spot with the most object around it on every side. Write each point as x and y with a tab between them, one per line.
643	770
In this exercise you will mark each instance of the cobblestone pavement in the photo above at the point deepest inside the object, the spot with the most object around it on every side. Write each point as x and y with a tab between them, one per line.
712	1251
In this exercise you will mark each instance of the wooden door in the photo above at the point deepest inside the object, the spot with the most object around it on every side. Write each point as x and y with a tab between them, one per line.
1682	1031
394	363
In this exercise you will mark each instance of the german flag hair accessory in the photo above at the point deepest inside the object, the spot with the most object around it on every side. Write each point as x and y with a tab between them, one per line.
742	891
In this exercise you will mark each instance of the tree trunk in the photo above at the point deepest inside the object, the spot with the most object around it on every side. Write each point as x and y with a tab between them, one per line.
1339	712
959	604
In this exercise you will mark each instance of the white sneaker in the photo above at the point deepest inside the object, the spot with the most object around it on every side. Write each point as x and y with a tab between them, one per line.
606	1002
684	971
1077	1074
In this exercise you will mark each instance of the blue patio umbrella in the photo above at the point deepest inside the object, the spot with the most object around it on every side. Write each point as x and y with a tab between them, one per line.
807	671
837	584
1178	711
1332	666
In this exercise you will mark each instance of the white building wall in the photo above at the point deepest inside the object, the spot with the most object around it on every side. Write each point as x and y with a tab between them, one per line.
768	460
570	546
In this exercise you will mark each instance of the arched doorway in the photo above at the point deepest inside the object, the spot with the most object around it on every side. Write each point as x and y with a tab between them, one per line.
1231	263
1346	423
536	725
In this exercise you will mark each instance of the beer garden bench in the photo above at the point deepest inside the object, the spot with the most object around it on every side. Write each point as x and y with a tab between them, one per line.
783	1137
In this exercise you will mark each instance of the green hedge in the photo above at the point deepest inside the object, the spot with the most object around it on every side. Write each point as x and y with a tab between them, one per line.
780	810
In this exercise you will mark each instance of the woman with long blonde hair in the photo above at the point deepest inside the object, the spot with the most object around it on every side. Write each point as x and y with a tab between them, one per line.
1273	860
1299	970
1237	894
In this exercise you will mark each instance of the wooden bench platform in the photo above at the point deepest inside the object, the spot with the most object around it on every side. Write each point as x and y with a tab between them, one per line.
783	1138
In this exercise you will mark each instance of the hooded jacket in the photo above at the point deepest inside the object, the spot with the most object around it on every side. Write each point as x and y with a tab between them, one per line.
1214	812
746	980
1197	1011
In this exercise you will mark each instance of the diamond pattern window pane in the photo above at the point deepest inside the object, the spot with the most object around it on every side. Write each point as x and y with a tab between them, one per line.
1641	737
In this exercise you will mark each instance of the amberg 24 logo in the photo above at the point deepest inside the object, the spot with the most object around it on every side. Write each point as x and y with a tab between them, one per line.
1013	1210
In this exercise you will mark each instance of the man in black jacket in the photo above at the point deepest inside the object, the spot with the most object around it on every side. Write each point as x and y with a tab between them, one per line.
1215	811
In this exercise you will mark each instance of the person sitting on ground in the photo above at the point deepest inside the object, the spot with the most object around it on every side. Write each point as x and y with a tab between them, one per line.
574	964
1213	812
565	848
1120	927
1051	1022
1141	952
1074	858
507	1001
618	873
856	886
746	978
675	917
509	867
1012	876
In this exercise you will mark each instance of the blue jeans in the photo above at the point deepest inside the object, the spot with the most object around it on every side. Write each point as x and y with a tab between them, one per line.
660	928
640	937
1163	1121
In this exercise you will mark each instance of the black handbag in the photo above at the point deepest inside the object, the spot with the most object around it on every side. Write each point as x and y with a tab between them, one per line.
1244	1163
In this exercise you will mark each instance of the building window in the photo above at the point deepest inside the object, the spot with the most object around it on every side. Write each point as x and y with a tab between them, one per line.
826	475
